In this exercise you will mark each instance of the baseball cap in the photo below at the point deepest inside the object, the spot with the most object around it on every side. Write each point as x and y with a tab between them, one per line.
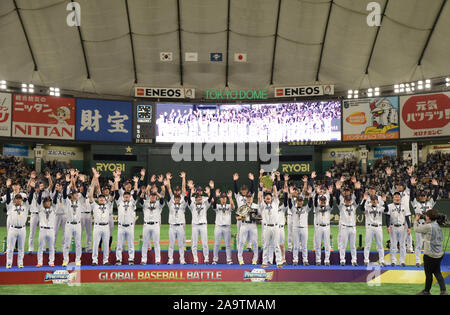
244	187
18	196
46	199
177	188
101	195
374	197
347	198
322	198
249	194
422	193
223	195
177	196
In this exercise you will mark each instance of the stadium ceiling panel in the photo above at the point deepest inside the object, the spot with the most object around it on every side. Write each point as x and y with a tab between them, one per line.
120	42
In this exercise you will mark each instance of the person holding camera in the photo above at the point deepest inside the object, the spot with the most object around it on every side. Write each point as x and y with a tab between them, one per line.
433	252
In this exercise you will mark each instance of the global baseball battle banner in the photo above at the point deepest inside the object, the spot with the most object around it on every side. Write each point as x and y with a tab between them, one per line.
370	119
426	115
5	115
36	116
104	120
73	275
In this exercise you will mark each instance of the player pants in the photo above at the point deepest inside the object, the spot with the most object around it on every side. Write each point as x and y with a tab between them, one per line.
176	232
203	231
322	233
72	230
86	224
408	239
249	234
46	238
149	232
300	236
34	222
290	238
60	222
101	232
419	246
262	236
16	234
398	235
125	233
347	234
222	231
377	233
238	230
272	238
281	238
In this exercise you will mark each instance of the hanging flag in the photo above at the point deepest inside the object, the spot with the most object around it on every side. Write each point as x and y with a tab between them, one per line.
216	57
240	57
165	56
191	56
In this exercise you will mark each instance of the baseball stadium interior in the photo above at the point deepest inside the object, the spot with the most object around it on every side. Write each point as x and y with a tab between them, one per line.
303	144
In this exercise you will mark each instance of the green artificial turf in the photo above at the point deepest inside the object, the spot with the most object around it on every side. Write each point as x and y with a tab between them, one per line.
222	288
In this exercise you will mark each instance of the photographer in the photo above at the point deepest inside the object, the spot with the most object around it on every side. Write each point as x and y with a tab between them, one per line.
433	252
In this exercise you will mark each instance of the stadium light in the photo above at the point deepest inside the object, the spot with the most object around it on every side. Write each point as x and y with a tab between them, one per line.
447	82
27	88
54	91
420	85
428	84
350	94
2	85
396	88
377	91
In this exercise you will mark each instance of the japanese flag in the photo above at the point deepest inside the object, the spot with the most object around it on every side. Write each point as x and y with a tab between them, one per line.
165	56
191	56
240	57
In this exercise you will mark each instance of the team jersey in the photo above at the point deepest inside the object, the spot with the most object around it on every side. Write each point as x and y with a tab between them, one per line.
223	214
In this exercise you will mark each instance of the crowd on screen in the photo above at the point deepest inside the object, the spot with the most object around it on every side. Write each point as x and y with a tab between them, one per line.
251	123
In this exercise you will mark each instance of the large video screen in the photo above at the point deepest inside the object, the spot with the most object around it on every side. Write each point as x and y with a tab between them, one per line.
278	122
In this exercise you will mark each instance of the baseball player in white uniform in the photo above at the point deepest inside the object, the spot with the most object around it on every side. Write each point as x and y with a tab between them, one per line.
177	220
421	205
405	199
347	220
248	232
34	210
199	205
299	213
152	207
47	218
222	227
373	212
269	210
60	222
397	217
73	225
322	211
101	211
15	191
17	211
86	212
126	218
240	196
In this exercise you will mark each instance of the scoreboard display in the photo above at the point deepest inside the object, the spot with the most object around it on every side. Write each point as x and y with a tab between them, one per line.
144	116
